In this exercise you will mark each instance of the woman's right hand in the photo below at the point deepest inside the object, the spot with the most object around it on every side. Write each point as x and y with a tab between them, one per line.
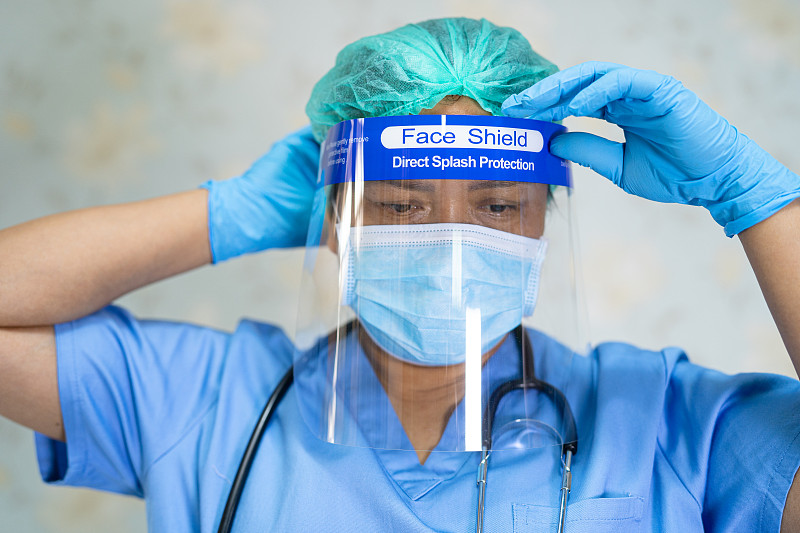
269	205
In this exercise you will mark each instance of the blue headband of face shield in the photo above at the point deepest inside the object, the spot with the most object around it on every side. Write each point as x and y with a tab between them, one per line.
400	280
443	147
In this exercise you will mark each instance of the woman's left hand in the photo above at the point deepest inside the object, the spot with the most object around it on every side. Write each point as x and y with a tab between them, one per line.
677	149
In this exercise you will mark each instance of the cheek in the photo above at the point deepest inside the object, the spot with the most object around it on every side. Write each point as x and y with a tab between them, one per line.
534	218
370	213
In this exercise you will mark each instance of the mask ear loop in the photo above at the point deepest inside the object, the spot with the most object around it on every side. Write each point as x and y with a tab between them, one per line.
532	288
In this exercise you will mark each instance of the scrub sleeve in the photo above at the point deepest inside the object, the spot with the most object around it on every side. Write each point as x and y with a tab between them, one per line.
129	391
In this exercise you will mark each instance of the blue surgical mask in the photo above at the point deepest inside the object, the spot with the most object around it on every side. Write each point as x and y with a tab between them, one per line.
412	287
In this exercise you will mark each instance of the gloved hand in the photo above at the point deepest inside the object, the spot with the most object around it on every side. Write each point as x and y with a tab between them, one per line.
269	205
677	149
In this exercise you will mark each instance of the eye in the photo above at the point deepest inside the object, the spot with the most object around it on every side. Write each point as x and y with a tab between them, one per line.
399	208
496	208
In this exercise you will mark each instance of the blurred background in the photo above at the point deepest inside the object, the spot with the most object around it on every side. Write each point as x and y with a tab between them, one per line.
104	102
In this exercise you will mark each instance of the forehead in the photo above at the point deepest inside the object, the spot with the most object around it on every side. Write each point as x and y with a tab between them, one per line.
453	186
456	105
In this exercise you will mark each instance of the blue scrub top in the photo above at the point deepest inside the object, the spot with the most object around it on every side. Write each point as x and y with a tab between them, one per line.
164	410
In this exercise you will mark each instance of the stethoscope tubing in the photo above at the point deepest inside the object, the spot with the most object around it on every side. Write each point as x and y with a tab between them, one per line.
226	524
569	446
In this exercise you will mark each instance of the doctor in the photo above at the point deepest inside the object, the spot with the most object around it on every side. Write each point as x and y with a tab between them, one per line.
162	410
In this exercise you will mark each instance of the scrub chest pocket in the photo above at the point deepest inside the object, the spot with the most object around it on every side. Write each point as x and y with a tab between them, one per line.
597	515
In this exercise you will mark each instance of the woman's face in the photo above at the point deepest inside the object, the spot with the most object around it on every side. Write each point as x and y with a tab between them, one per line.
509	206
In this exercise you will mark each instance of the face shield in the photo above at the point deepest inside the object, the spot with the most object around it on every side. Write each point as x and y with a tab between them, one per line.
432	239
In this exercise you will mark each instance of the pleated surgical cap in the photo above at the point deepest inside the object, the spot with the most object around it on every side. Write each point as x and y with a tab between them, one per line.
412	68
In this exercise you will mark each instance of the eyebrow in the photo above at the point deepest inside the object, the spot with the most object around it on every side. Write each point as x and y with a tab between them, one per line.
411	185
490	184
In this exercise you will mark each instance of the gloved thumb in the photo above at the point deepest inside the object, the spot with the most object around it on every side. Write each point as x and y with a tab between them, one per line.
599	154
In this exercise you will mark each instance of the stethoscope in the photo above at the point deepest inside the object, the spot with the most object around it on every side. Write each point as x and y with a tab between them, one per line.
569	446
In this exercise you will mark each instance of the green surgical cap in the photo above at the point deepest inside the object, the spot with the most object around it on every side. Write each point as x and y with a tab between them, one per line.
412	68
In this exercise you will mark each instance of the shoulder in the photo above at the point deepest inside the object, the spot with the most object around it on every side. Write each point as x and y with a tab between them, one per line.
116	320
114	323
671	371
113	338
625	358
609	360
259	336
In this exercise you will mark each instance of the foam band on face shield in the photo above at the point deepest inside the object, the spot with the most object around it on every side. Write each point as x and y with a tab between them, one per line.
473	147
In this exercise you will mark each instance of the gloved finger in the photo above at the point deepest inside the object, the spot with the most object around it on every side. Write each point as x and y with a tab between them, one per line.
636	87
555	90
554	114
601	155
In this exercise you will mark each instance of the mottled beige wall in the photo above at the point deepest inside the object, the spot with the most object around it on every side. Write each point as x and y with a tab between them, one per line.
113	101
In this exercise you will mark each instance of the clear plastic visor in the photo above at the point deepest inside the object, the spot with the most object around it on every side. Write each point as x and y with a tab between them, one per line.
415	288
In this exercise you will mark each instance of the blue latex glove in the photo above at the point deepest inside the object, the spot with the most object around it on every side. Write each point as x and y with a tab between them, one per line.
677	149
269	205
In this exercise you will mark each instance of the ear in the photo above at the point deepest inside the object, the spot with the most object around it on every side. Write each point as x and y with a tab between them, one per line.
331	216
